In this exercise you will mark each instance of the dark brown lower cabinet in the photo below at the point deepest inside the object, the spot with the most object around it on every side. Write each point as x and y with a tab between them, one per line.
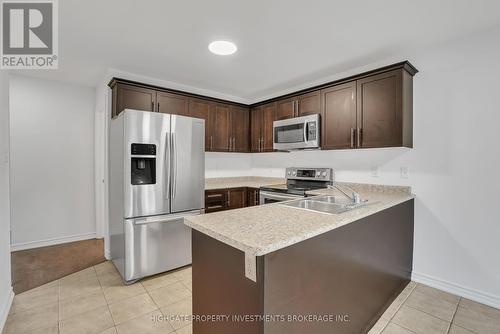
351	274
253	196
230	198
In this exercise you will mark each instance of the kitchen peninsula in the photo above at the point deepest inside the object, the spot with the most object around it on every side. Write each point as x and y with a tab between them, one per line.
274	260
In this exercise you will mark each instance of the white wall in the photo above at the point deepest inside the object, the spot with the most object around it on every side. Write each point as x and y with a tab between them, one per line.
52	162
454	167
227	164
6	293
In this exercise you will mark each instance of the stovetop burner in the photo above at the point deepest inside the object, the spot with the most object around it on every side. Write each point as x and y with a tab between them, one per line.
301	180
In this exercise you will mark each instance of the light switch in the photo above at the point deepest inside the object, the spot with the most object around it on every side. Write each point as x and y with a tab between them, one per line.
405	172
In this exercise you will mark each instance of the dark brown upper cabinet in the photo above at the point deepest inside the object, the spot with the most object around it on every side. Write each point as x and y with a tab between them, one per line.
286	109
385	110
222	127
369	110
302	105
240	120
168	103
261	134
202	109
338	122
309	104
132	97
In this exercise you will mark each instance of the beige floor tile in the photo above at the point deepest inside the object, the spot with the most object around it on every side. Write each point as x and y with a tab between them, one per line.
82	285
392	328
170	294
81	304
130	308
419	322
159	281
188	283
45	286
183	273
151	323
110	278
185	330
111	330
432	304
398	302
35	298
50	330
487	310
454	329
379	326
480	322
117	293
45	316
179	313
104	267
438	294
92	322
80	274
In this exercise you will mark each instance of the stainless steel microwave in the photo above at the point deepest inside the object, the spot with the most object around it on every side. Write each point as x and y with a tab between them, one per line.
297	133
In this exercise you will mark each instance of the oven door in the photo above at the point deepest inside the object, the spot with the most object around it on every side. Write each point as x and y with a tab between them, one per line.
267	197
296	133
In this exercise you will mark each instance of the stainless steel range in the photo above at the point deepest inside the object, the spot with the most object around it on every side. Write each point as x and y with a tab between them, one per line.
298	182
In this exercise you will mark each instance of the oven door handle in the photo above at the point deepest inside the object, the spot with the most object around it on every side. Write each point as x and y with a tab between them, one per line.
265	194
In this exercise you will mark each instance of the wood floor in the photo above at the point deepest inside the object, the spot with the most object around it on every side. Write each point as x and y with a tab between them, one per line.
35	267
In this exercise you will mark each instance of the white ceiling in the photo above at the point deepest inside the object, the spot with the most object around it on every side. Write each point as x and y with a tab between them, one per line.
281	43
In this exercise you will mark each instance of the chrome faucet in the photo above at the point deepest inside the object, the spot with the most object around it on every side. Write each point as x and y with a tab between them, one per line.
354	197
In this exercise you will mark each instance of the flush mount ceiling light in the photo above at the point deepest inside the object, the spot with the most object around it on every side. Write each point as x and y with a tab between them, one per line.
222	48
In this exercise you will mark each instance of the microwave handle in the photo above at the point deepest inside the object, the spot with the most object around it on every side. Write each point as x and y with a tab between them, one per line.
305	132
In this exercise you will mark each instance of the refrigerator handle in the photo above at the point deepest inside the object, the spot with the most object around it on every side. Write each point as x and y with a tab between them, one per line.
167	165
174	167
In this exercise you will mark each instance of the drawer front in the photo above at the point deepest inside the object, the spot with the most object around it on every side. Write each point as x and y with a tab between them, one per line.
215	200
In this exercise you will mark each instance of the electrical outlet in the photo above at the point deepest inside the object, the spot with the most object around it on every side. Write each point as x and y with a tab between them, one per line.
374	171
405	172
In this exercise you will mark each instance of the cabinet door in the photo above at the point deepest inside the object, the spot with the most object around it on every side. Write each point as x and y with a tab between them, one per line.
379	110
252	196
285	109
239	129
237	198
168	103
221	127
268	117
202	109
255	129
133	97
339	116
309	104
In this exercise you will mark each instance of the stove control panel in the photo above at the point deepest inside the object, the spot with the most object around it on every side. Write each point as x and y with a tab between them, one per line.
298	173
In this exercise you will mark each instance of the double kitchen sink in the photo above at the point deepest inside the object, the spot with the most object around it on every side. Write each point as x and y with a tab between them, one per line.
324	204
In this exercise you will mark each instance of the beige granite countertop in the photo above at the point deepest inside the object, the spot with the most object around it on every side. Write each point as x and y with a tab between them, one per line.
241	181
260	230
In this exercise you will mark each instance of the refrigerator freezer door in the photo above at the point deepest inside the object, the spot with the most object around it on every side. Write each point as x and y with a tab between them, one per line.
188	163
150	134
156	244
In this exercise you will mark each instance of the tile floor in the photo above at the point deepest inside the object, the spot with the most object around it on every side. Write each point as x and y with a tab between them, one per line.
94	300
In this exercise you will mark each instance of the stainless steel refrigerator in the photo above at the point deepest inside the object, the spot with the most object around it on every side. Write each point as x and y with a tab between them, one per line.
157	177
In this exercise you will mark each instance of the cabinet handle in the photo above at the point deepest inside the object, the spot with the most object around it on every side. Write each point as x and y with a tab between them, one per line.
152	106
234	144
214	195
228	198
297	108
214	207
358	131
158	110
352	137
211	142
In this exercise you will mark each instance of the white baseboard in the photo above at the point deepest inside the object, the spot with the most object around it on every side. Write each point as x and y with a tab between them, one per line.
5	309
51	242
107	254
472	294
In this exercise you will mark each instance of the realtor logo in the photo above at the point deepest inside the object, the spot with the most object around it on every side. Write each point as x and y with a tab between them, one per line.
29	34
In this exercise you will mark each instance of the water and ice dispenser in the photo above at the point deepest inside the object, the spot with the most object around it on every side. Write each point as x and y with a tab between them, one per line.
143	164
